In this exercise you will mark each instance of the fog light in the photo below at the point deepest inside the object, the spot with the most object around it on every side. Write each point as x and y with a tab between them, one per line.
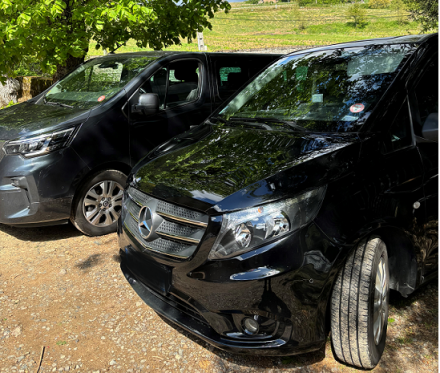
251	326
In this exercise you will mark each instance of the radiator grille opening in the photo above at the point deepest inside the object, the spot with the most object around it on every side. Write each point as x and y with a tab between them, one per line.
177	231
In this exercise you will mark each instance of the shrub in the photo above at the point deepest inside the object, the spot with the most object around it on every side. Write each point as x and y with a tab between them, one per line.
358	13
379	4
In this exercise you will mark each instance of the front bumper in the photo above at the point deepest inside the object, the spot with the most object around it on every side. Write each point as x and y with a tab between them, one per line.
38	191
288	283
185	318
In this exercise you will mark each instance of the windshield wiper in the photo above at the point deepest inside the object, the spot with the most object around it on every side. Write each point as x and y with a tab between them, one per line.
252	121
284	123
219	119
56	103
237	120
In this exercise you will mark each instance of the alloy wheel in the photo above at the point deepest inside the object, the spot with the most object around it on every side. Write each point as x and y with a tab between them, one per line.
103	203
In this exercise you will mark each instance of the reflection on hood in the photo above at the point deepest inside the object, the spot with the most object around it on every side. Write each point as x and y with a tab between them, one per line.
23	119
230	159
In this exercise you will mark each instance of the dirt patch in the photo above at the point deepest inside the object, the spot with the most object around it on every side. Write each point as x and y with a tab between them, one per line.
65	292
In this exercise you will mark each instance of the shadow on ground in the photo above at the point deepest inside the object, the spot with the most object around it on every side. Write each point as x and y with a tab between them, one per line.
418	319
42	234
91	261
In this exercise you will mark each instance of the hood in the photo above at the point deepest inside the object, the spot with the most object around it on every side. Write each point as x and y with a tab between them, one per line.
217	168
30	118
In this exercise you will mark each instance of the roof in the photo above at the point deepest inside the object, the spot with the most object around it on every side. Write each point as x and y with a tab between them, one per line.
159	54
406	39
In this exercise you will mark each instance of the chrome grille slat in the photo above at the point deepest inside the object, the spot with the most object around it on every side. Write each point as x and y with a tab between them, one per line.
133	208
178	231
138	197
178	238
181	214
182	220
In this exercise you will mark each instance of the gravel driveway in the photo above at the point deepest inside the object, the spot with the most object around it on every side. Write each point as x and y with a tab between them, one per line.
63	294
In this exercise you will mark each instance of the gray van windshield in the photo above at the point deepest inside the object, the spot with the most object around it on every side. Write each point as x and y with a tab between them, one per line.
97	81
327	91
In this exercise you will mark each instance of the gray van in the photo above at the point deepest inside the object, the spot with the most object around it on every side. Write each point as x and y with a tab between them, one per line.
65	154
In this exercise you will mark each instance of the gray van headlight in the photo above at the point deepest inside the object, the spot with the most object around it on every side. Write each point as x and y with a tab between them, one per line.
39	145
244	230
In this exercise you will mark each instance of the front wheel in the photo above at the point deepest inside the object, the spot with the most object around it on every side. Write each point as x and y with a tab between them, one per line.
359	305
98	203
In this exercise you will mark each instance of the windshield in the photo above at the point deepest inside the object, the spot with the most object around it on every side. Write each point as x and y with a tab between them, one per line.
96	81
326	91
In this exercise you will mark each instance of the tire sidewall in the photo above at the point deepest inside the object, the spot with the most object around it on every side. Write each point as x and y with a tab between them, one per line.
377	350
78	219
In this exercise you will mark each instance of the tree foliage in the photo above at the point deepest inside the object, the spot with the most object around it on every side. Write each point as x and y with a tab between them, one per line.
379	4
424	11
58	32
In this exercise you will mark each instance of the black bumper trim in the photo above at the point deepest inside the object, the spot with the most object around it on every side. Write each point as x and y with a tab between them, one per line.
276	347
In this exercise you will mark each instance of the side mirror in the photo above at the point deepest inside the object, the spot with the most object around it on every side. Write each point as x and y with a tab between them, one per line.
148	104
430	127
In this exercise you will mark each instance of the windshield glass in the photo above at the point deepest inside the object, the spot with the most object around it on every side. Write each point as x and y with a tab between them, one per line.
97	81
326	91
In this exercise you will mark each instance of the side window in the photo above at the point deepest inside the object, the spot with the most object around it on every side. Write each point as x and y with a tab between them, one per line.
427	93
230	78
400	134
183	82
177	84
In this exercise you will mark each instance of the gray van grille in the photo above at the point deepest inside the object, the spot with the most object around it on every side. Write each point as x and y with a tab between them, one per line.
177	231
2	153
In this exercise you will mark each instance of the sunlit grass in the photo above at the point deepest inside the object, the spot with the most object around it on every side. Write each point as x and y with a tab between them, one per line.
258	26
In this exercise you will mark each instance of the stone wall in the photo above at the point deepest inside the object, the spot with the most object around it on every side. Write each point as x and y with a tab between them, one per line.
22	89
9	92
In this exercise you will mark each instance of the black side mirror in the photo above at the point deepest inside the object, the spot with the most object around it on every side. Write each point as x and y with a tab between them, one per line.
148	104
430	127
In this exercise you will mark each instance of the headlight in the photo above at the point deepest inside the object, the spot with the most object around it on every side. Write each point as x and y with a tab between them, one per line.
39	145
242	231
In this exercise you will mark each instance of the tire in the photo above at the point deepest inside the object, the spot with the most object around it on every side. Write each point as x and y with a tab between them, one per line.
98	203
359	311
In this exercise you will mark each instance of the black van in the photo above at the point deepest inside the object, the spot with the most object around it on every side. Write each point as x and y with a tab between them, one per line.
302	200
65	154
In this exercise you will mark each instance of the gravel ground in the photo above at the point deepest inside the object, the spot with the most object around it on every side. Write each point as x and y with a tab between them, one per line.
64	292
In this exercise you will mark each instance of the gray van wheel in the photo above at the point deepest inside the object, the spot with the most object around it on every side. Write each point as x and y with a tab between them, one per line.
98	203
359	305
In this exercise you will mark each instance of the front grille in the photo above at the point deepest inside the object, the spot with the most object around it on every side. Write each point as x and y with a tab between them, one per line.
2	153
177	231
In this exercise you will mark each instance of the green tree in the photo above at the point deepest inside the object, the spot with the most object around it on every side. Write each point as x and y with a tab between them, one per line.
424	11
358	13
58	32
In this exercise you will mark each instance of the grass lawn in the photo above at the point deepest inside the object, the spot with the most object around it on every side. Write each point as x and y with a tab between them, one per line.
262	26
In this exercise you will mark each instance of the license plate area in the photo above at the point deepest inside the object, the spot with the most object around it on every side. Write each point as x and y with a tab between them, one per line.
154	275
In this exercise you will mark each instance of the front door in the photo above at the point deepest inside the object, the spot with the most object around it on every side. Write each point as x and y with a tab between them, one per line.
424	102
183	90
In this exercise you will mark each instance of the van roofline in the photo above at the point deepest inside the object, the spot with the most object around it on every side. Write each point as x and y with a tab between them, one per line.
160	54
405	39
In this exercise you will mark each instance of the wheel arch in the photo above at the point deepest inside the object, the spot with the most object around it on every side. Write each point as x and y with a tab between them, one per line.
118	166
402	259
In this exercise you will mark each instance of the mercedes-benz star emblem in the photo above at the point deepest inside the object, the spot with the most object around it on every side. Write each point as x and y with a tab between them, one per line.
145	222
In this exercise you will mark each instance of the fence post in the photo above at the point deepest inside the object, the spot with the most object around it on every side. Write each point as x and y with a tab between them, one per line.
201	44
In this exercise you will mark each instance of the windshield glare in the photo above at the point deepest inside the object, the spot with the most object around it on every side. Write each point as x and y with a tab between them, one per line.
97	81
326	91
